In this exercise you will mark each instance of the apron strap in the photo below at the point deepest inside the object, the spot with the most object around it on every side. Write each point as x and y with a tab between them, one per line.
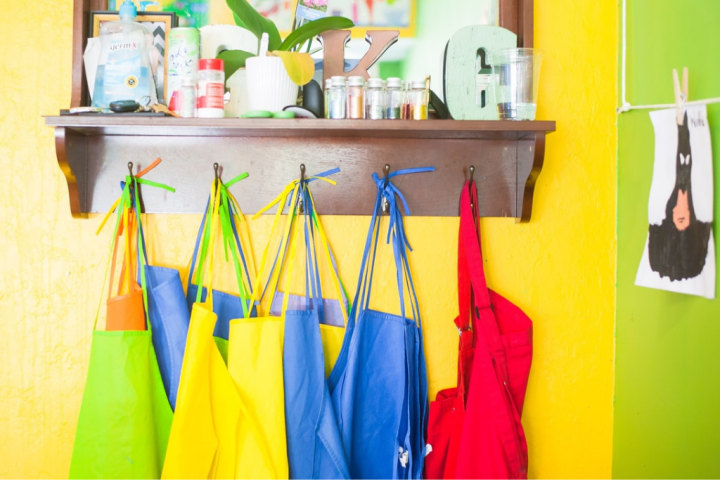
387	192
482	314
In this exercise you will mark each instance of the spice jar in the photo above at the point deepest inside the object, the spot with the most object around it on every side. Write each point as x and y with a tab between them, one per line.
326	95
211	88
417	100
356	97
395	98
337	97
375	99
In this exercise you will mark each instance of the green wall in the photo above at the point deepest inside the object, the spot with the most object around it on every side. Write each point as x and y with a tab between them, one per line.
667	380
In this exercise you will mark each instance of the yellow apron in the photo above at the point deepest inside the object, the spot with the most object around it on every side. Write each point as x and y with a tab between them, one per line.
217	432
255	364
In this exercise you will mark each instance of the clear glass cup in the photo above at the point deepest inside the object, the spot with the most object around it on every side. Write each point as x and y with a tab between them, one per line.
515	82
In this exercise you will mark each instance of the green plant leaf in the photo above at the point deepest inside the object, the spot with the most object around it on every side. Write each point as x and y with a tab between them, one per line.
300	67
233	59
247	17
238	21
313	28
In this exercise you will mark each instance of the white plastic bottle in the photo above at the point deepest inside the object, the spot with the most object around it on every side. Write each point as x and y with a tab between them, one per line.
123	71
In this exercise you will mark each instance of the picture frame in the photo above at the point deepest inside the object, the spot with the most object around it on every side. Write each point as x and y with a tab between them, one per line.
308	10
281	12
398	15
367	15
159	23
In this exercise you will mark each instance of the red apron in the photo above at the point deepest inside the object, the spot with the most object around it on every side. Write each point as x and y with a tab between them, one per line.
474	430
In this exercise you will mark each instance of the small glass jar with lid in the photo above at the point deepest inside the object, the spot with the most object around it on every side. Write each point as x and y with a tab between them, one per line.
417	100
395	98
356	97
337	97
375	99
326	95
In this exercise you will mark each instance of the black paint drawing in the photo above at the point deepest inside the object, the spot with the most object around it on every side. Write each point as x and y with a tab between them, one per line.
678	246
679	252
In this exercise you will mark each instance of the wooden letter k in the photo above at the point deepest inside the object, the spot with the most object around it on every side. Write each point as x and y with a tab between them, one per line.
334	42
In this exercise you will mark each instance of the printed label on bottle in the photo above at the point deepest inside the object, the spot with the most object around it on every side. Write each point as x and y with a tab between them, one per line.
211	95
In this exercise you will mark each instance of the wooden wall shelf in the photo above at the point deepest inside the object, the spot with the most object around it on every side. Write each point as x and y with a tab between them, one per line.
93	152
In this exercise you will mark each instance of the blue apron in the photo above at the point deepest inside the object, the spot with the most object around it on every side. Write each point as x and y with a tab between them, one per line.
314	446
170	319
379	383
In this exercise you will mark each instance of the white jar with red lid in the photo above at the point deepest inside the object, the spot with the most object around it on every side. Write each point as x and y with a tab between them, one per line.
211	88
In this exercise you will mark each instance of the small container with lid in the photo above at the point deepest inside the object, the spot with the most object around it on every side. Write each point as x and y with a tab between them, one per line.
211	88
417	100
183	47
375	99
356	97
186	99
326	93
395	98
337	97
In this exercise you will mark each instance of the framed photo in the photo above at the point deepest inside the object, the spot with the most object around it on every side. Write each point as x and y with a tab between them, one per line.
309	10
198	13
159	25
377	15
281	12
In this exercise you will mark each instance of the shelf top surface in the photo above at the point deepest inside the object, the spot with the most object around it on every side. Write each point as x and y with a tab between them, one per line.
220	127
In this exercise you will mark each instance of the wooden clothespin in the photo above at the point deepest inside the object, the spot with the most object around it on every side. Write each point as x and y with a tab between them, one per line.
681	94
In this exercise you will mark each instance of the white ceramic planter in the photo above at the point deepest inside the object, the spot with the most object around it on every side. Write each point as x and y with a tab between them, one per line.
268	85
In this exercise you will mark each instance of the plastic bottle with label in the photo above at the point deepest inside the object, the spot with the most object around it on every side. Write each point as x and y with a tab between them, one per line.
123	70
211	88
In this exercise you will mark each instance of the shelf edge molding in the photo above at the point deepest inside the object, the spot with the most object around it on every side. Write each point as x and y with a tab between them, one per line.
508	158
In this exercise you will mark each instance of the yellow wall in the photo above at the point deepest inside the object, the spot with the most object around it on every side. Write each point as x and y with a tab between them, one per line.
559	267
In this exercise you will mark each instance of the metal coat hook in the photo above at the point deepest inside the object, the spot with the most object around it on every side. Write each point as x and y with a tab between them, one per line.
385	203
139	193
218	182
472	172
302	180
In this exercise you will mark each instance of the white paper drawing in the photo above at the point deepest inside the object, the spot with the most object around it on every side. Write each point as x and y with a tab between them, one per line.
679	253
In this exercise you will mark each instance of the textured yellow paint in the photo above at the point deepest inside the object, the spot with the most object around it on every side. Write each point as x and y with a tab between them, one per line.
559	268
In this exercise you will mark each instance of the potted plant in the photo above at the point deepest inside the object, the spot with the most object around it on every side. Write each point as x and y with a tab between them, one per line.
299	66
